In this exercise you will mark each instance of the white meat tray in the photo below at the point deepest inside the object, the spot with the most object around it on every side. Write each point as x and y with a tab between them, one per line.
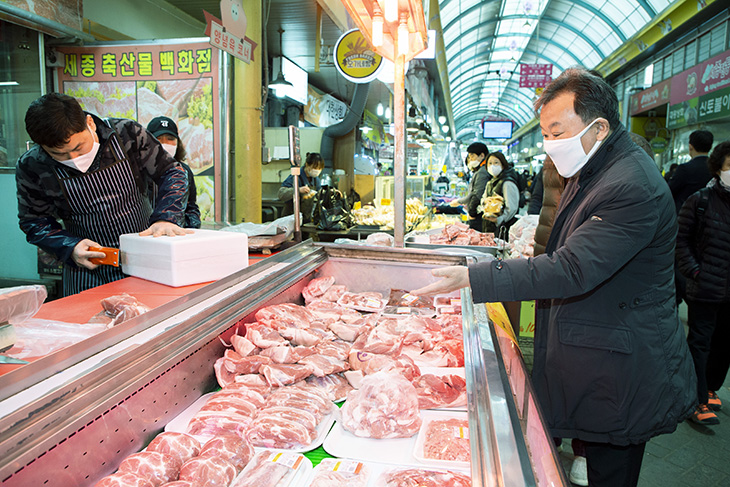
179	424
373	470
301	464
393	451
421	437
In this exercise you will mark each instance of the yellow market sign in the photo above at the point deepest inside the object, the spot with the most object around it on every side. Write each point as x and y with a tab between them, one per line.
355	58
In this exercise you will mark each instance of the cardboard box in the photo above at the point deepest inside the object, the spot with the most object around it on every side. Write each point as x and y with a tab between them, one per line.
202	256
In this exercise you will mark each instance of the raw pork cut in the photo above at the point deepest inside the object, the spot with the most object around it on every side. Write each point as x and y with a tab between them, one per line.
242	345
235	449
212	423
154	466
412	477
325	364
178	483
278	375
383	339
385	406
124	479
334	385
270	431
269	470
435	391
447	439
370	363
251	381
264	336
334	293
372	302
339	349
348	331
285	315
180	446
447	353
309	399
316	288
287	354
243	401
121	308
327	310
237	364
208	472
224	377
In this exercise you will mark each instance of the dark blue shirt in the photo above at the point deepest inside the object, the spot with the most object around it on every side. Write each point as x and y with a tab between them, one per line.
303	181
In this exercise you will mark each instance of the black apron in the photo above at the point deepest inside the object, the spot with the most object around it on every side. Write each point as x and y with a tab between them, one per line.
105	203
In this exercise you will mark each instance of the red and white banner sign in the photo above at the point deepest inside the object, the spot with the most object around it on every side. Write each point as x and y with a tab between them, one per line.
535	75
240	48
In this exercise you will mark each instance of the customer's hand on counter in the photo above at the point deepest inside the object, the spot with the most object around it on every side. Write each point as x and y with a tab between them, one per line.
454	277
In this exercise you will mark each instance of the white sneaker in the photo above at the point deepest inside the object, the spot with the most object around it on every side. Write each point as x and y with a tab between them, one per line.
579	472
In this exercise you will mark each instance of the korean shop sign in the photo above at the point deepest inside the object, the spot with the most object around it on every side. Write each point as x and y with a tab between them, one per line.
355	58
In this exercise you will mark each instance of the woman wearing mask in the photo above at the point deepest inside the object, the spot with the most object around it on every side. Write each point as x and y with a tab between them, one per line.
703	257
502	185
476	161
165	131
309	184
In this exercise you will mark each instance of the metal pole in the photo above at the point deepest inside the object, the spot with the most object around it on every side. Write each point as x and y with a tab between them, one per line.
399	156
295	161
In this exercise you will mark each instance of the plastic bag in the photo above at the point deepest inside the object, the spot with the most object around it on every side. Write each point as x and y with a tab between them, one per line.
118	309
522	237
19	303
385	406
380	239
331	210
35	337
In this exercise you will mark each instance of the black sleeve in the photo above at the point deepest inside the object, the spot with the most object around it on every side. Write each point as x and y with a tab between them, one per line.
192	211
475	197
686	252
536	197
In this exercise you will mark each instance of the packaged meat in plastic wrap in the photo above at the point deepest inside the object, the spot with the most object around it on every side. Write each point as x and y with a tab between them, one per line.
19	303
335	472
118	309
443	440
371	302
408	477
316	288
273	469
385	406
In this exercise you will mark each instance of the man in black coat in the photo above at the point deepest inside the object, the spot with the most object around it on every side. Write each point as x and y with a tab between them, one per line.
694	175
612	367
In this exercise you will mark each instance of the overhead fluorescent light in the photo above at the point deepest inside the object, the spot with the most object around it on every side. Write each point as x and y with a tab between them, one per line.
8	83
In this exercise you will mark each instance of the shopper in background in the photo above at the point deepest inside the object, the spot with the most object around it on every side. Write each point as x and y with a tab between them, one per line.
309	185
672	168
503	184
693	175
687	179
165	131
703	257
93	176
476	160
611	364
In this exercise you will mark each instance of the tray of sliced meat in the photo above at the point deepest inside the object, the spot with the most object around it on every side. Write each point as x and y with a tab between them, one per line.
287	419
274	468
443	440
454	236
344	472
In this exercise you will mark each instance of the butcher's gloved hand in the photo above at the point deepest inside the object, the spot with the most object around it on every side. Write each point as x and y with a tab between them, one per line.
454	277
163	228
82	256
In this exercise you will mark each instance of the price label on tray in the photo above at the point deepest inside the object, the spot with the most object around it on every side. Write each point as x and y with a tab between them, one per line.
408	299
291	460
373	303
455	301
343	466
403	311
461	432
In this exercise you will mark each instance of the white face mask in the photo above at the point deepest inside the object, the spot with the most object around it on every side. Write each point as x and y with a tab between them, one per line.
494	170
725	178
170	149
568	154
84	161
473	164
314	173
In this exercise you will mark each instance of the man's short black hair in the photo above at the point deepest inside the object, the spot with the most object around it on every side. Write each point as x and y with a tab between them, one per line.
52	119
701	140
594	97
478	148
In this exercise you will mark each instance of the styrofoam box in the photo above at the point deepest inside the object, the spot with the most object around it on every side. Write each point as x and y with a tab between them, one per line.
201	256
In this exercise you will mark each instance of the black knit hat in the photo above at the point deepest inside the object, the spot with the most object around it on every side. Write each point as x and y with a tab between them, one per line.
162	125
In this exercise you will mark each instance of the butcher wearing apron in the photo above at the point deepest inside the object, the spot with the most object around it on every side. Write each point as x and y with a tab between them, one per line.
105	203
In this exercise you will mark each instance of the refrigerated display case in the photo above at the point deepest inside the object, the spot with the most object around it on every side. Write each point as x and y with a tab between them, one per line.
70	418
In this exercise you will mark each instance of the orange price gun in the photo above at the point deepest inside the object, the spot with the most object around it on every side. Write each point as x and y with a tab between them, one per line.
111	258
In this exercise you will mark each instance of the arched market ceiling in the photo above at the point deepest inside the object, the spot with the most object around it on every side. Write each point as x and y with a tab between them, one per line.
487	40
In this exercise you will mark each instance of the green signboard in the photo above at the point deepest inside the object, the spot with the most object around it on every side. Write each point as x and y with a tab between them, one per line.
683	114
715	105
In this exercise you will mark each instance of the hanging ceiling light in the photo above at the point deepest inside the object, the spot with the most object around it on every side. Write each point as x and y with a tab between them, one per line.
380	110
280	81
387	113
377	25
